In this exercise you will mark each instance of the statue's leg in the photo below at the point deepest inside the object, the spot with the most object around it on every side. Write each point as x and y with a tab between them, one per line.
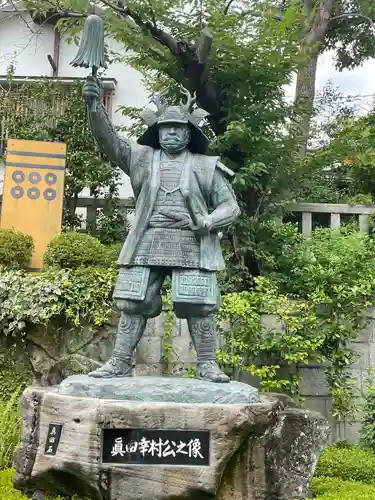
132	324
199	313
203	333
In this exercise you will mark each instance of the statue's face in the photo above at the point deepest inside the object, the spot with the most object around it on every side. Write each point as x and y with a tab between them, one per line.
174	137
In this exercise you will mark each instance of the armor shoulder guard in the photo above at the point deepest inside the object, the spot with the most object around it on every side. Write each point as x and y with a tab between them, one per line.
229	174
204	169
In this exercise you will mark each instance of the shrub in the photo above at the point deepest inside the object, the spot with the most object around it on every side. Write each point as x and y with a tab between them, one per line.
10	429
77	296
325	264
56	314
111	254
347	463
265	352
337	489
16	249
332	275
72	250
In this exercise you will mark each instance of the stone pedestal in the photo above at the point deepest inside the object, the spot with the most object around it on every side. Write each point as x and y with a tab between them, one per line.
259	448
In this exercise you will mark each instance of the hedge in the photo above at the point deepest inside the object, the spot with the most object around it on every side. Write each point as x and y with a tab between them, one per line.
325	488
349	463
71	250
16	249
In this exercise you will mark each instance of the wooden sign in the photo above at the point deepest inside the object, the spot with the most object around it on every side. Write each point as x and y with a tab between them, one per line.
53	439
156	447
33	192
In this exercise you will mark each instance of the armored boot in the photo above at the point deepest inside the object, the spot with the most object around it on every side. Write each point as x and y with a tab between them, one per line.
203	334
130	331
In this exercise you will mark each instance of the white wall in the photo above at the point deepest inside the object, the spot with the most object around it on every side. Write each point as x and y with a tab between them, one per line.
28	51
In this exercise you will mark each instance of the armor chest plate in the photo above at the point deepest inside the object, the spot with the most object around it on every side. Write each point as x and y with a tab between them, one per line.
168	240
170	174
169	209
169	191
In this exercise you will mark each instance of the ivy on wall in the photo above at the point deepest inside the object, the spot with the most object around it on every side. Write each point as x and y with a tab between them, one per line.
319	291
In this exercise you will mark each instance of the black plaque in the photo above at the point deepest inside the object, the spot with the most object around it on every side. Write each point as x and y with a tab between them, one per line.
53	439
156	447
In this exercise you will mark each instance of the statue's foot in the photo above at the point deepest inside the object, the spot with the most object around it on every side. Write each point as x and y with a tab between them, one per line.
209	370
113	368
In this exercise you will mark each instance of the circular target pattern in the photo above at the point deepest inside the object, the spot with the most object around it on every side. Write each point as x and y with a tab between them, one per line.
50	179
49	194
17	192
18	176
35	177
33	193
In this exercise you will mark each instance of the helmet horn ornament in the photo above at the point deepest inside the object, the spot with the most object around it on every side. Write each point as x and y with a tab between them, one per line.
191	100
159	102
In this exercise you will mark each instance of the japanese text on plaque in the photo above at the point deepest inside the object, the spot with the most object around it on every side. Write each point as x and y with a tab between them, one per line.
168	447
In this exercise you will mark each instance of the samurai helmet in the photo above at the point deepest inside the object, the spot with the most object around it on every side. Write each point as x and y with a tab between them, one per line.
184	114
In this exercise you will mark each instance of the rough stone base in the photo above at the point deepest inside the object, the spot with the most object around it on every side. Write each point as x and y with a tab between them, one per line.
260	451
159	390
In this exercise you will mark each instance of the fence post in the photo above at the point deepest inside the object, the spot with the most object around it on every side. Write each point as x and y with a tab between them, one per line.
91	218
306	223
335	221
363	223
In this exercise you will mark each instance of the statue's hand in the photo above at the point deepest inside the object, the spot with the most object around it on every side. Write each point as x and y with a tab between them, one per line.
203	225
92	90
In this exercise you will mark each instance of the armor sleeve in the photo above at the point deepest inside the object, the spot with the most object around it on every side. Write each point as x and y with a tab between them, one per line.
229	174
120	151
225	209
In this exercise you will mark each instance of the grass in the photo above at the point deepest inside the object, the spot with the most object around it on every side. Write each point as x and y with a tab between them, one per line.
7	492
10	428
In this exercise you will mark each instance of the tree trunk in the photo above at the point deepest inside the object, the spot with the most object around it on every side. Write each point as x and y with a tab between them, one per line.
304	102
305	89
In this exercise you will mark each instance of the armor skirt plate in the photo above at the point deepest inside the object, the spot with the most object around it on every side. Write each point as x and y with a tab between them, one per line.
168	248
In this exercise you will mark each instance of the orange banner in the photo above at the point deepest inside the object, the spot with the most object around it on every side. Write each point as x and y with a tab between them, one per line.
34	191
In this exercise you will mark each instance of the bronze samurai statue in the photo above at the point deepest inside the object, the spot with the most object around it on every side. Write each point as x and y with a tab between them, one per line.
184	199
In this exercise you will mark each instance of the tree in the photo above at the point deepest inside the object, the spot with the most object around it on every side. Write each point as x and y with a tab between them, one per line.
351	154
237	61
316	19
346	26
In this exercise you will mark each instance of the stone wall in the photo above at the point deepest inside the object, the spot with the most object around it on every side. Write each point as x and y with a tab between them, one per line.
151	361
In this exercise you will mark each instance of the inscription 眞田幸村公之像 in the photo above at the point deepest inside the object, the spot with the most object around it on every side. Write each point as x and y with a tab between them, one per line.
156	447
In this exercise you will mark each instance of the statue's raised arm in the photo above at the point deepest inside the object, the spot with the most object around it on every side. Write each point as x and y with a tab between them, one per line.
118	150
